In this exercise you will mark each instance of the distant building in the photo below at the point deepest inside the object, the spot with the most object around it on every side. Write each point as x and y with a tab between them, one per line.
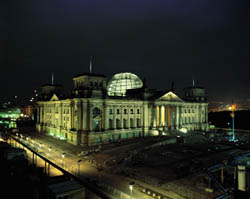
100	112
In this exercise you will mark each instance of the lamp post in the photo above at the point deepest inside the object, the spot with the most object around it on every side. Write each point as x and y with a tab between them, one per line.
63	156
131	186
79	167
233	115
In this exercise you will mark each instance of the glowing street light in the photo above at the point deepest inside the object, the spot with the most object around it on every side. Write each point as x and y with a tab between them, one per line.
233	115
131	186
63	156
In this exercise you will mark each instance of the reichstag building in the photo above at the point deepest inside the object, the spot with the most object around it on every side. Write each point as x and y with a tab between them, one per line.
100	111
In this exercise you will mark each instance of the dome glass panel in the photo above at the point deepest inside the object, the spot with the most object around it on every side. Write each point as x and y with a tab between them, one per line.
120	82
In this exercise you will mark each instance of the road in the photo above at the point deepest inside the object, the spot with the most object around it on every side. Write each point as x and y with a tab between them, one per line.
85	169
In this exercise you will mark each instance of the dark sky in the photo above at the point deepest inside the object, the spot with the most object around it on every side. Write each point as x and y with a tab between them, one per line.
161	40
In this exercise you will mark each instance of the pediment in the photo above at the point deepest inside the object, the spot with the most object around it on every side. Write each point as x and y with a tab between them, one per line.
170	96
54	98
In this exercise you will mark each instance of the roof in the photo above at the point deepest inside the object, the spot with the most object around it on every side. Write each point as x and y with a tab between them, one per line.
90	74
64	186
165	93
121	82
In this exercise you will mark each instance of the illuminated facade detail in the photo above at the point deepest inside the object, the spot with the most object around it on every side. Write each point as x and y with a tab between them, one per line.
90	116
120	82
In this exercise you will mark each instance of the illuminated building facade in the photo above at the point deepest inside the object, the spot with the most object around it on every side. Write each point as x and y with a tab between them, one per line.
100	112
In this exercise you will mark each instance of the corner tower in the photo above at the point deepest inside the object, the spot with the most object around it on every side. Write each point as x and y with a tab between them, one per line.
89	85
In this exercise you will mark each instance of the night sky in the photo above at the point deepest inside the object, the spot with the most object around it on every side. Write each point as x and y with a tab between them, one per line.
161	40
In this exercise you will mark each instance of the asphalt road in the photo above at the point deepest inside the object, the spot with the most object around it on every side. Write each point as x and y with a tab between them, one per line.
86	169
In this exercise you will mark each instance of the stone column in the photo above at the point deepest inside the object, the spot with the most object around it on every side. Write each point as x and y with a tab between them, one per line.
172	117
60	113
84	116
169	116
71	115
79	116
128	117
121	118
159	122
180	116
135	120
91	117
177	117
155	120
166	116
106	118
114	117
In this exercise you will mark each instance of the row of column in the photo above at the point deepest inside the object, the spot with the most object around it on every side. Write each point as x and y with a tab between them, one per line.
122	116
167	116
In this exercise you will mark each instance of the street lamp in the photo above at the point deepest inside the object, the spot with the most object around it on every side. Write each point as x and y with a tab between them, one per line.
63	156
79	167
233	115
131	186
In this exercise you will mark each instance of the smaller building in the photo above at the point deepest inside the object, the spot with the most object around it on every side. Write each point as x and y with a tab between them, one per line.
62	187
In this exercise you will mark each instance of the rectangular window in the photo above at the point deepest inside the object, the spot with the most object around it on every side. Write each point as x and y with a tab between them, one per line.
118	111
138	111
110	111
131	111
125	111
138	123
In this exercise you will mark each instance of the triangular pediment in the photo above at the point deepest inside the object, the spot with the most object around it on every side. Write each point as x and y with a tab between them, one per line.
54	98
170	96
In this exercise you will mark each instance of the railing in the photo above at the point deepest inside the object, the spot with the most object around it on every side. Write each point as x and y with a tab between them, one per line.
84	182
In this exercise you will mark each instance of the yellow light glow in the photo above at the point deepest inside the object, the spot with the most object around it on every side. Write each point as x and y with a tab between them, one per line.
233	107
162	116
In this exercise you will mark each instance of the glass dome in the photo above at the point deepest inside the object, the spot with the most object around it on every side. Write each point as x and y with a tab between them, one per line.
120	82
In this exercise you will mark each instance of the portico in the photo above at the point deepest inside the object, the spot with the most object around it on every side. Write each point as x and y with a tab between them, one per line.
167	116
